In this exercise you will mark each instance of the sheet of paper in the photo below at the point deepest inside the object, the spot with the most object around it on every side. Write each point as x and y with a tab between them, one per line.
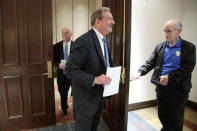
63	62
113	87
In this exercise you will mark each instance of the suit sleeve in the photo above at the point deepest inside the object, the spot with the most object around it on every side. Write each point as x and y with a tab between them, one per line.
187	66
149	64
76	62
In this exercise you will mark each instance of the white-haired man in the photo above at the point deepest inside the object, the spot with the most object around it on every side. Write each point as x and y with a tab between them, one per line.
61	51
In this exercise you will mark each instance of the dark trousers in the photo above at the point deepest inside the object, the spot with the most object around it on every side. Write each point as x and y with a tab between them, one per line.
87	123
171	105
63	86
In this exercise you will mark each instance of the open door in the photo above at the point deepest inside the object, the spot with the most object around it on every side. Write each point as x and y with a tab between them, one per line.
26	93
116	109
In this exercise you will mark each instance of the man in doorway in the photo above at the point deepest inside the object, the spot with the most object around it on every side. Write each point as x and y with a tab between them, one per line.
87	68
173	62
61	51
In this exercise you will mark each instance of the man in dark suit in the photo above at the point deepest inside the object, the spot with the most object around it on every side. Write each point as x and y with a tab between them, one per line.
86	67
173	62
61	51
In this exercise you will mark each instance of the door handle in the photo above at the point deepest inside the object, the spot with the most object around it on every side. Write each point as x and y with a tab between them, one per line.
49	69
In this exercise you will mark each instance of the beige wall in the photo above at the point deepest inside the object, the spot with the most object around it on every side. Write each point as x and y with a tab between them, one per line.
189	21
98	4
74	14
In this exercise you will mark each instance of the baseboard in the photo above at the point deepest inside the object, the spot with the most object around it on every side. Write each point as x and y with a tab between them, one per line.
142	105
192	105
151	103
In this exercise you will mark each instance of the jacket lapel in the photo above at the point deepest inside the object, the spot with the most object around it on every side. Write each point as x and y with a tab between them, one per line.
61	50
97	45
162	51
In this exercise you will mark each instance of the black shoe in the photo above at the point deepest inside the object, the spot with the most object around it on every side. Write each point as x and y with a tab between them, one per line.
64	113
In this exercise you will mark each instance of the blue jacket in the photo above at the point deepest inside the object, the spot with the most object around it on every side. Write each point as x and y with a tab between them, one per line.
180	78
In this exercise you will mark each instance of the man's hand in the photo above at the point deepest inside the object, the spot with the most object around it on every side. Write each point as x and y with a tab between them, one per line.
61	66
134	77
164	80
102	80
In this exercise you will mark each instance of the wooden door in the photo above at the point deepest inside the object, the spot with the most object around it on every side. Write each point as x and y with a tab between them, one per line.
26	95
116	109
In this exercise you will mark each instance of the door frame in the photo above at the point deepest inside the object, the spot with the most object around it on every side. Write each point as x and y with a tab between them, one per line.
125	54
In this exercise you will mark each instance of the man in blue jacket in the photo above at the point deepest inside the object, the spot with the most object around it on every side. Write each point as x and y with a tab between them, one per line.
173	62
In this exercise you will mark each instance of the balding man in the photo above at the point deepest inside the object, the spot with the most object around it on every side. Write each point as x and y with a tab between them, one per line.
173	62
61	51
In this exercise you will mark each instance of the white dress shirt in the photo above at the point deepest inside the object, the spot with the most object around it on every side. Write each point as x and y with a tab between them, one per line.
100	37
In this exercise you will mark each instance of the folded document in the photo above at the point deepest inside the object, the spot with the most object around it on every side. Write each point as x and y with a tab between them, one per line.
113	87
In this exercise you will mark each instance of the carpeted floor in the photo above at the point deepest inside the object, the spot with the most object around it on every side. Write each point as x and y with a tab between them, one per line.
147	120
66	127
60	120
136	123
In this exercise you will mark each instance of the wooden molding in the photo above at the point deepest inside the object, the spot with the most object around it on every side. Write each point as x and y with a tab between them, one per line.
142	105
151	103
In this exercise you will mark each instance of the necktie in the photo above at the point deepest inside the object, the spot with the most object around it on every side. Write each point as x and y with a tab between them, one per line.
66	53
106	52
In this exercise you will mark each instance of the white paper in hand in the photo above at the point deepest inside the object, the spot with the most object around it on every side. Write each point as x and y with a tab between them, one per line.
135	76
63	62
113	87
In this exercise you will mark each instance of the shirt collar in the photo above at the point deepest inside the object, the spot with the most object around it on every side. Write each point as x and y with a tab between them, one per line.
177	45
99	35
67	43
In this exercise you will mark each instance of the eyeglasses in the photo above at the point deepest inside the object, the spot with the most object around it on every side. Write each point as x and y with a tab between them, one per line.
167	31
108	18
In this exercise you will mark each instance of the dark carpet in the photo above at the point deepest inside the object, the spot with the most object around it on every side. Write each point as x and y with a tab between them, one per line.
69	127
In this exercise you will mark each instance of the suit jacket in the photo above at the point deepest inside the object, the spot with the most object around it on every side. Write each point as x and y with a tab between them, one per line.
180	78
86	61
58	54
